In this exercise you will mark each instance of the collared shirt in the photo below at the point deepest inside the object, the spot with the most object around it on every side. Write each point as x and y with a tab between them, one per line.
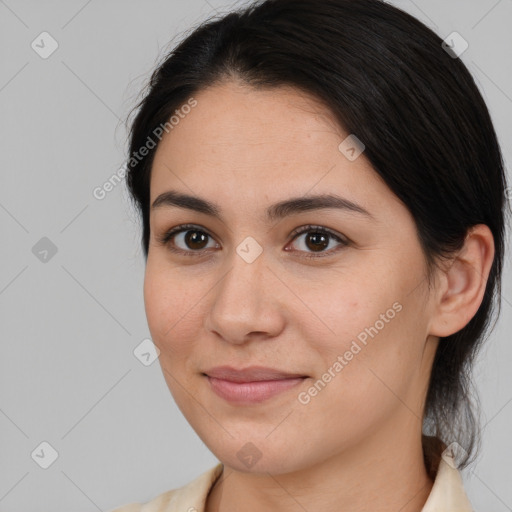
447	494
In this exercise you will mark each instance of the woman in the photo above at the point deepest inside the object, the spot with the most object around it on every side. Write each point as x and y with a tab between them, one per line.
322	197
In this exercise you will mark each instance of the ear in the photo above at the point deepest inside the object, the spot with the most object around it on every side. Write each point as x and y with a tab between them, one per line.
461	285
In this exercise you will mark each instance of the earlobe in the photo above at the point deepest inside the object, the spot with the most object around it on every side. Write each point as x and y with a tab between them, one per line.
463	283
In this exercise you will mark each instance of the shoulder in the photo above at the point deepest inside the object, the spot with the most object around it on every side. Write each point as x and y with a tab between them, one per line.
132	507
157	504
191	496
448	492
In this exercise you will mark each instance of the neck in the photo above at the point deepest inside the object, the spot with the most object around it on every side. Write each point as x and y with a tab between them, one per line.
385	477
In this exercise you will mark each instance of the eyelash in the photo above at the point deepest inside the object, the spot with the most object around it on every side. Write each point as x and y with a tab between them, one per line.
166	237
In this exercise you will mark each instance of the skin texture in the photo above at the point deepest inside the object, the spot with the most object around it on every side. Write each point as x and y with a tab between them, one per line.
356	445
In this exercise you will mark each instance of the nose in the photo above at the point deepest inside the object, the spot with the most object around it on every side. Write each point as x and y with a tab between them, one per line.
244	303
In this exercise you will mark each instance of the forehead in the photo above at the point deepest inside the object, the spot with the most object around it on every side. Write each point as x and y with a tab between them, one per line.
246	145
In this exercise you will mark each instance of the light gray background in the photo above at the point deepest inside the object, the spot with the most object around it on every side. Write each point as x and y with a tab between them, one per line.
68	375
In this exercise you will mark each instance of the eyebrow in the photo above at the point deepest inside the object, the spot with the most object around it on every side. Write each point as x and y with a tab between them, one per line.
274	212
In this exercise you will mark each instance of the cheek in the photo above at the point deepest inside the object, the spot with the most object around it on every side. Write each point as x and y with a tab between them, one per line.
370	328
379	366
166	306
343	307
156	302
170	322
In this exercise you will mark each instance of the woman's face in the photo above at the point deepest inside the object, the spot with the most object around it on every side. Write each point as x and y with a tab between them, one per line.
353	318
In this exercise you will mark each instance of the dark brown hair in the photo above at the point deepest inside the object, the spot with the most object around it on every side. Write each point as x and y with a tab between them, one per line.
427	131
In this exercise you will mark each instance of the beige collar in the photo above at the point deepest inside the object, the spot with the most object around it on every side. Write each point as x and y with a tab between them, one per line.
447	494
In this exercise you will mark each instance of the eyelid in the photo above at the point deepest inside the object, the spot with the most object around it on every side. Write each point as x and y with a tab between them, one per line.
165	238
310	228
321	229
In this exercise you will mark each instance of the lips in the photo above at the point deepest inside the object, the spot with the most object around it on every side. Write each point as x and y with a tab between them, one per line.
252	385
250	374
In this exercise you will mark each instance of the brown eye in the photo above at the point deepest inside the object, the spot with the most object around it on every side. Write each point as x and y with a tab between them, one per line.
316	240
186	239
195	239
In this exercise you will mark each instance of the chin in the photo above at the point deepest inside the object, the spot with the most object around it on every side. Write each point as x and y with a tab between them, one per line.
262	457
